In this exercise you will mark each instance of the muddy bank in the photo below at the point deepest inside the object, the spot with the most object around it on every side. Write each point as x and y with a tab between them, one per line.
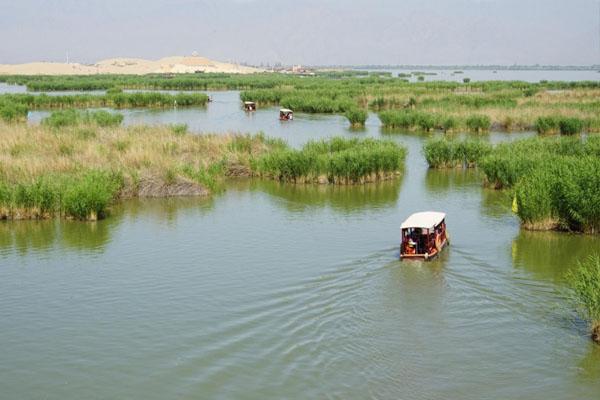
154	187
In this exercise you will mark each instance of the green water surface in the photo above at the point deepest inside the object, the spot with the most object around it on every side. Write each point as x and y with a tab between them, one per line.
268	291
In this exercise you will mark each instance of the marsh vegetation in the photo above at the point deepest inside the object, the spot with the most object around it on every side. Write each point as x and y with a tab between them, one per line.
555	180
74	166
585	284
547	106
338	161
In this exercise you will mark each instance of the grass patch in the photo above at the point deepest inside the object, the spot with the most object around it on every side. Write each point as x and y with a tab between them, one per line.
12	112
444	153
83	196
559	124
508	162
71	117
87	197
338	161
570	126
47	172
86	133
555	181
110	99
357	117
478	123
585	284
561	194
409	120
179	129
317	103
207	176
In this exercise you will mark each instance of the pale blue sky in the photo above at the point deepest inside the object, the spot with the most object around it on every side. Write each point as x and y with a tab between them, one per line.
305	31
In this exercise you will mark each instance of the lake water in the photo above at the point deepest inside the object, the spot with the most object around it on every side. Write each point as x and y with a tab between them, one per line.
476	75
268	290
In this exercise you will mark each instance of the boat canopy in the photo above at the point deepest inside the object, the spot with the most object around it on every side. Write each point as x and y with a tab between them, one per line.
248	102
425	220
285	110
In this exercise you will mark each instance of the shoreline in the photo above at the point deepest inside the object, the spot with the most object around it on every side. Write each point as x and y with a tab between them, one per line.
78	171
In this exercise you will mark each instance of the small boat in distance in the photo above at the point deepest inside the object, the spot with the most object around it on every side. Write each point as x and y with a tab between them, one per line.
249	106
423	235
285	114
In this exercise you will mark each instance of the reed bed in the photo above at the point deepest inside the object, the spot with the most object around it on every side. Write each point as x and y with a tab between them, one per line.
204	81
71	117
444	153
584	282
562	125
427	121
315	103
263	96
78	171
409	120
555	181
12	112
217	81
471	106
84	196
357	117
112	99
334	161
419	121
562	193
478	123
508	162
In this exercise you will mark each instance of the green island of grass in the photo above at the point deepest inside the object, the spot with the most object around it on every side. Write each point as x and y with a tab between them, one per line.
555	181
76	164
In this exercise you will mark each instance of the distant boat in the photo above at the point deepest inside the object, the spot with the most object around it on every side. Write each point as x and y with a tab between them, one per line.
424	235
285	114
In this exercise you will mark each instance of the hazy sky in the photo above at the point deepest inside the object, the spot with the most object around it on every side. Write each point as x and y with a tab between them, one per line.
304	31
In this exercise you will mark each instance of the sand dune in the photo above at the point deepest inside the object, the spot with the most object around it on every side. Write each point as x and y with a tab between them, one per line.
134	66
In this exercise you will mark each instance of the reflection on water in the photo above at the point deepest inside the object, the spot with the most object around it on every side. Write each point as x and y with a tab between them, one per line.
549	255
589	366
344	199
444	179
92	236
164	209
27	235
38	236
390	132
496	203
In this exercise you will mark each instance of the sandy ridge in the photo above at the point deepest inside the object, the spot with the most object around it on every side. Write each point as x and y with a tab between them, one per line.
133	66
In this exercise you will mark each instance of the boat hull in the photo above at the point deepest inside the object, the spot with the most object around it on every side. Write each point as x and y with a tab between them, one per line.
425	257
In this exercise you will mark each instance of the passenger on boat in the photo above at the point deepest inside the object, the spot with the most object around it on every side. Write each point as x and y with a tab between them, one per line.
411	247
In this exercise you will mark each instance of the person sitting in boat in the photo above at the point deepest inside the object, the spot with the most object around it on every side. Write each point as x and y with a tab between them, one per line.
411	247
